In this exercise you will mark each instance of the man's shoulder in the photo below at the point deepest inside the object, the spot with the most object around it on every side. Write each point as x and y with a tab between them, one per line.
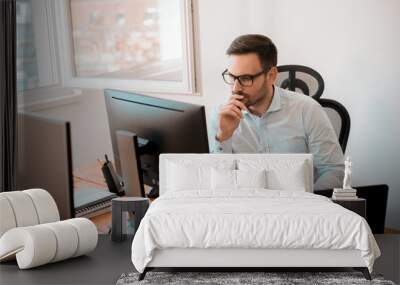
297	99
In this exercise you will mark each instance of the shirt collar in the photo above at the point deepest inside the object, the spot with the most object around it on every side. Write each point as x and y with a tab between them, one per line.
276	101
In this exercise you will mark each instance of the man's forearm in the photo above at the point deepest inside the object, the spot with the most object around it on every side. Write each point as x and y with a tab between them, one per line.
221	147
330	179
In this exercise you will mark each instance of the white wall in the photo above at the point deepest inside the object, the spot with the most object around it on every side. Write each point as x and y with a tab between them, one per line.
353	44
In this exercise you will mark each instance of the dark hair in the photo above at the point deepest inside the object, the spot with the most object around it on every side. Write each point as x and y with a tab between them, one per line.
259	44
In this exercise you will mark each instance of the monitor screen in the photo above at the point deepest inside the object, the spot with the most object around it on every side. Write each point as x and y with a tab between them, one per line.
44	159
167	126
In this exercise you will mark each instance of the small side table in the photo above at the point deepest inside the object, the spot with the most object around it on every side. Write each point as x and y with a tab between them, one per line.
358	205
134	205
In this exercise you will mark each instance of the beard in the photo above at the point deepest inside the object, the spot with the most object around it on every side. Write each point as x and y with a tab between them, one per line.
252	100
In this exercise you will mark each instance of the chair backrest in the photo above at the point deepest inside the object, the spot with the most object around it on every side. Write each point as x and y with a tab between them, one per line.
306	80
302	79
339	118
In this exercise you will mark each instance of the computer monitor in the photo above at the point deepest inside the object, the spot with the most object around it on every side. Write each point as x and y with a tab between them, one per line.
44	159
161	125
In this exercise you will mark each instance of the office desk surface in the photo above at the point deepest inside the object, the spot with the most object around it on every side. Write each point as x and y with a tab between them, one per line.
102	266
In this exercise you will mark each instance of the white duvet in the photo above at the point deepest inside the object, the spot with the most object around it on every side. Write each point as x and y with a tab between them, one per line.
254	218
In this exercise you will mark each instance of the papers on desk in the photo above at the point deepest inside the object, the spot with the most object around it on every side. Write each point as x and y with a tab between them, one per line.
89	202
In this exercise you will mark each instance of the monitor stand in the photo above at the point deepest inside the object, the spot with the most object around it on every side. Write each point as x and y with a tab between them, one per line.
128	149
131	150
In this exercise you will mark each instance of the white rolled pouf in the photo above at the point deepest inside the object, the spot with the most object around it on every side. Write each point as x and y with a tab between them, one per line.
67	240
87	235
40	244
32	246
46	207
26	208
23	208
7	218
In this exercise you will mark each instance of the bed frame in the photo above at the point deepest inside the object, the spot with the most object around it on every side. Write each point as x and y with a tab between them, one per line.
234	259
250	259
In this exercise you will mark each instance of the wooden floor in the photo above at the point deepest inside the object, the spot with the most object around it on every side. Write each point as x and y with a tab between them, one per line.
110	259
104	265
389	231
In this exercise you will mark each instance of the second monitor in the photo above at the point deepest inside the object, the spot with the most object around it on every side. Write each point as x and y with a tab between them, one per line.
161	125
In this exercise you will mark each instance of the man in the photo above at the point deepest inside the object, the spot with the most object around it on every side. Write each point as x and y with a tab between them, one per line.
263	118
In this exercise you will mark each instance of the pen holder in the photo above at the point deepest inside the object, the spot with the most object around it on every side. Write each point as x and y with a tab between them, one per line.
127	212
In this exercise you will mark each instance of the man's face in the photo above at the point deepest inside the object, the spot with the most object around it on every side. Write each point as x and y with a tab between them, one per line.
249	64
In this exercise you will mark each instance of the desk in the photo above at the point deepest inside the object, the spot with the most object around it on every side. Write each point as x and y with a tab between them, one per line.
89	176
92	177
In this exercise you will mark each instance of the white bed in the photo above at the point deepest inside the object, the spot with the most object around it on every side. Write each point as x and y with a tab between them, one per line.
203	219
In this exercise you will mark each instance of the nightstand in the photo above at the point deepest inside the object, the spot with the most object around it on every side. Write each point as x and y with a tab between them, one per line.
358	205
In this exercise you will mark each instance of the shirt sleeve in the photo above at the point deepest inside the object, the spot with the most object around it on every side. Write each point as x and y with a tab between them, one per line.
323	143
217	146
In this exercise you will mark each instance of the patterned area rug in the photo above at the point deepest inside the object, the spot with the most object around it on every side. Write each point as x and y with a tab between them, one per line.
241	278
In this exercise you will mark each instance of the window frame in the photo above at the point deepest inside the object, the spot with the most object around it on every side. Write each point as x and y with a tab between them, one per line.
65	44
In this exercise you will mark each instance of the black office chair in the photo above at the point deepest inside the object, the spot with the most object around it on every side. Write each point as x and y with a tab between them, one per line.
306	80
302	79
339	118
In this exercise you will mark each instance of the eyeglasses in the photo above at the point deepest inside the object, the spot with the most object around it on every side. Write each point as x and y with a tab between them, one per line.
245	80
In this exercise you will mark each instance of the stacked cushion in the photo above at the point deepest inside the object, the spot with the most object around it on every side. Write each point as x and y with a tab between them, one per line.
26	208
31	232
41	244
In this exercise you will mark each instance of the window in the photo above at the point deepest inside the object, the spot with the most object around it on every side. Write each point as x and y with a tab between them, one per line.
35	50
27	71
142	45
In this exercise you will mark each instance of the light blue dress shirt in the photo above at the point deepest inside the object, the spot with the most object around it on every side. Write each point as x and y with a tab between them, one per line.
294	123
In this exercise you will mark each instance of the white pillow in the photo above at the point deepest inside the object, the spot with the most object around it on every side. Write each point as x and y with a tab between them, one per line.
251	178
223	179
192	174
226	179
291	179
183	177
283	174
